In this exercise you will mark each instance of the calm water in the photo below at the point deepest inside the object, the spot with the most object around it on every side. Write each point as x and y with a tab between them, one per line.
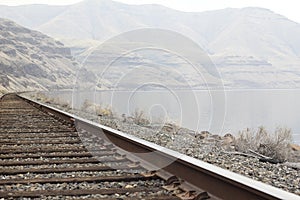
216	111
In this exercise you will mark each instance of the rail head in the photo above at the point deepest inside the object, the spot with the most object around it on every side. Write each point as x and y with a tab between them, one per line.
219	182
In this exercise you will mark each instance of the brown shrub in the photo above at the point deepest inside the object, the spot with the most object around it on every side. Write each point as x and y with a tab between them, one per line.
274	145
140	118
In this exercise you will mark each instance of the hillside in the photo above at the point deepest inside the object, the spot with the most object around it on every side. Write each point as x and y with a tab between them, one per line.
251	47
31	60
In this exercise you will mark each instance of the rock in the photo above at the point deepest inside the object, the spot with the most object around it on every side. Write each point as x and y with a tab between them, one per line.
295	147
129	186
34	61
292	165
216	137
170	128
10	52
228	139
208	149
203	135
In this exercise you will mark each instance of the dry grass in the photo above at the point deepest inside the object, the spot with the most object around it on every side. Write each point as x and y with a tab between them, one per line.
50	100
140	118
274	145
86	104
102	111
39	97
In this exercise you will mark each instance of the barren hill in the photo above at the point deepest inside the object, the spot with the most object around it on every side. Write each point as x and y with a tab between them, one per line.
251	47
31	60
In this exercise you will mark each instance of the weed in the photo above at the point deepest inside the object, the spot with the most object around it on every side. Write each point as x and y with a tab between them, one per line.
274	145
140	118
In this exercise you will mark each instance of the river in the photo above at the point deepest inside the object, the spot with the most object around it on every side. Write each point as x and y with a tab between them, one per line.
219	112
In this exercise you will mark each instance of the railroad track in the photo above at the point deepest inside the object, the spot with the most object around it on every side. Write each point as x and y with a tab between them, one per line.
50	154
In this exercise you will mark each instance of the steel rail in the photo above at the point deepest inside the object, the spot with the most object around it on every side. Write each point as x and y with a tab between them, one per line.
182	170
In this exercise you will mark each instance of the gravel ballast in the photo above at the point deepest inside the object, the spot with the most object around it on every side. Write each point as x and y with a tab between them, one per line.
212	149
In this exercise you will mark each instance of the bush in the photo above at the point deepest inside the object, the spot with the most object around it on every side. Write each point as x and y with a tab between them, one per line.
139	118
86	104
40	97
104	112
275	146
97	109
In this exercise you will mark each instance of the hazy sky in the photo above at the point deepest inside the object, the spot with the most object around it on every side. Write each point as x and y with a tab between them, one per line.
288	8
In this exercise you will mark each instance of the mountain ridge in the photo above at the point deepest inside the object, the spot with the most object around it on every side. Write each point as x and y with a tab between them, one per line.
238	40
30	60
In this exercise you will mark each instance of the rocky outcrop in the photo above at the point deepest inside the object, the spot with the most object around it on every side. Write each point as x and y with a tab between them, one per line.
30	60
